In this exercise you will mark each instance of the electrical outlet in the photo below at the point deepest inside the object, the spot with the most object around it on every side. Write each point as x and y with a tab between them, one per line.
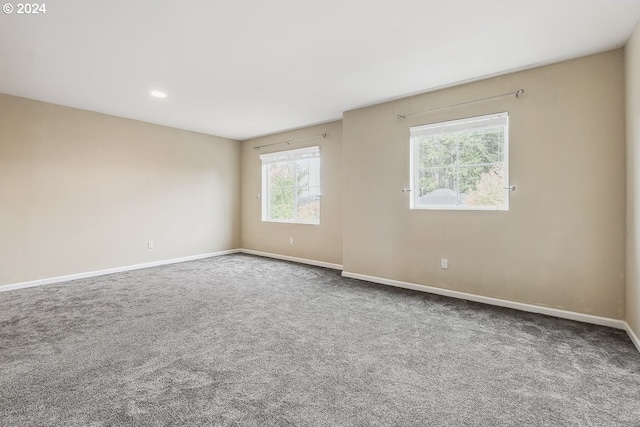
150	244
291	240
444	263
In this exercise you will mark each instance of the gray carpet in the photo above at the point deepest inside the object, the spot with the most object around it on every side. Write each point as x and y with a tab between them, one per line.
248	341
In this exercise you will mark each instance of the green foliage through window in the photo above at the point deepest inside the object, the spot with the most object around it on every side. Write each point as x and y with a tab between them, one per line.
460	164
291	186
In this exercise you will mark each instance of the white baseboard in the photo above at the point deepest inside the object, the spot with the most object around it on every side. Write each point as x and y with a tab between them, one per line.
572	315
294	259
634	338
66	278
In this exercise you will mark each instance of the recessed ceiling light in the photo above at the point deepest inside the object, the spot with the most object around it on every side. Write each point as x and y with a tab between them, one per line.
158	94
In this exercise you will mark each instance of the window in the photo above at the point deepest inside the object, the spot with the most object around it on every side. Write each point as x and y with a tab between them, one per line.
291	186
461	164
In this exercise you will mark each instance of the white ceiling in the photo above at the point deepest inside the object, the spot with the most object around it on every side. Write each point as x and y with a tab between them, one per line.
244	68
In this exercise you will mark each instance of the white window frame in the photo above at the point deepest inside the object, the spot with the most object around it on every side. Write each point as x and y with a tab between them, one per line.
289	156
477	122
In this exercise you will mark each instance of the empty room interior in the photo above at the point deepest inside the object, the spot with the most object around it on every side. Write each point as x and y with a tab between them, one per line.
320	213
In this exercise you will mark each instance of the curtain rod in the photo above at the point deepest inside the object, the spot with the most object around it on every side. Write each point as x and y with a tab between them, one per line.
517	94
323	136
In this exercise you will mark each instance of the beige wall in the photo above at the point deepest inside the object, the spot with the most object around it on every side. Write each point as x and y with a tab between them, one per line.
81	191
632	60
560	245
321	242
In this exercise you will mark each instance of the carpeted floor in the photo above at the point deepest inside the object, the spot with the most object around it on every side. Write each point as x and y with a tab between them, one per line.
248	341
